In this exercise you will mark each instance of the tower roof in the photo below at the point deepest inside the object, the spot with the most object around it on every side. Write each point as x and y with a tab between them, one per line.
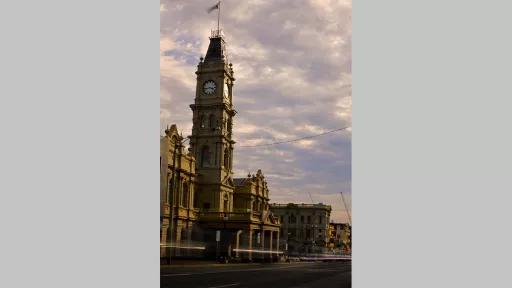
217	48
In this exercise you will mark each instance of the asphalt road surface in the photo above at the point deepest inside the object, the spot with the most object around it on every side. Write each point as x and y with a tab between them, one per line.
297	275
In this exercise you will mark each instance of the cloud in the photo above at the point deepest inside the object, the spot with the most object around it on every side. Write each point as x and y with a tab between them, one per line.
293	70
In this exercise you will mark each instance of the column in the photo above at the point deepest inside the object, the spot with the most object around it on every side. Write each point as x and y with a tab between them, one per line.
262	245
177	239
238	233
189	239
163	240
270	245
249	245
277	246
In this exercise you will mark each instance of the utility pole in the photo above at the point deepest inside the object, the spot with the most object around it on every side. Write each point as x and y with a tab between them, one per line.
346	210
170	197
172	190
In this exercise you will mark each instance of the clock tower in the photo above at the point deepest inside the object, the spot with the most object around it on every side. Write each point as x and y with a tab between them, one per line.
211	140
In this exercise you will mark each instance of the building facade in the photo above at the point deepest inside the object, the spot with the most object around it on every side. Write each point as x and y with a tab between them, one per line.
177	194
263	229
304	227
340	237
230	217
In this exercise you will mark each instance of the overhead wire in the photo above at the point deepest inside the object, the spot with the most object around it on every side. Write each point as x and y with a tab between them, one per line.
294	140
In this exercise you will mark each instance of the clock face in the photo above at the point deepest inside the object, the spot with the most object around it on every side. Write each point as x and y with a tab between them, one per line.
209	87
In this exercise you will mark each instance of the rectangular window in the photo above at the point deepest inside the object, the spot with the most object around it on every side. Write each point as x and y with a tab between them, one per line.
302	219
309	219
320	219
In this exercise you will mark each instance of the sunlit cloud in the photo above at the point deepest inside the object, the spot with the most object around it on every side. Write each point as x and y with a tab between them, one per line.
293	79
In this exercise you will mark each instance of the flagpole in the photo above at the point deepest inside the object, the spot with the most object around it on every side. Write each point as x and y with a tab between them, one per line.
218	19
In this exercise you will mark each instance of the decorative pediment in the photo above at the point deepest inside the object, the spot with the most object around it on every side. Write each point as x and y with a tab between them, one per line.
269	218
228	181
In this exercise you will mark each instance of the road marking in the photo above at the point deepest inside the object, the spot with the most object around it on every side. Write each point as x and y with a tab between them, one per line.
239	270
227	285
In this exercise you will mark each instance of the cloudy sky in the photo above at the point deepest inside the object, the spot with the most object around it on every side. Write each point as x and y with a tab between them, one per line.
292	62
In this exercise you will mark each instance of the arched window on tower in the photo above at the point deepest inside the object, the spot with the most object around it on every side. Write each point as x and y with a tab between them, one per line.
211	122
205	156
226	158
202	123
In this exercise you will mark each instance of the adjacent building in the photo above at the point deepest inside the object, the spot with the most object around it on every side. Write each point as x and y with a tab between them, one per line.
340	237
304	227
177	190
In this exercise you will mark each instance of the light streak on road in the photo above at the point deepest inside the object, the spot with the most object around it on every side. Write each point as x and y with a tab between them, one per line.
258	251
183	247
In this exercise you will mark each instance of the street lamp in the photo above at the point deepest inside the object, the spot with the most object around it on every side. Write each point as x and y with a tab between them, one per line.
313	244
225	218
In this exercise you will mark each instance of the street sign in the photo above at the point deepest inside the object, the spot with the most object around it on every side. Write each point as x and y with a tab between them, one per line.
217	236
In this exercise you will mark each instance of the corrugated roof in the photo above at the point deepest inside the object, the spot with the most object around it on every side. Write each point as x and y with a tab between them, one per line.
240	181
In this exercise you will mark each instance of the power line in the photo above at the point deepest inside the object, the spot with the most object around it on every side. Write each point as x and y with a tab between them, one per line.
294	140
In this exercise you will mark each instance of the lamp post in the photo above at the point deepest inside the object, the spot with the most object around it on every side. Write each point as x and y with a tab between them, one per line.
287	243
225	218
170	196
313	242
218	236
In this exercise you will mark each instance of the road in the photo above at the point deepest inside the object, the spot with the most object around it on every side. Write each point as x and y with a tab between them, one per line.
296	275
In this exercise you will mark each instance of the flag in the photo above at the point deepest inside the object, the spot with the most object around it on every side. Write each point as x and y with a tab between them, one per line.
216	6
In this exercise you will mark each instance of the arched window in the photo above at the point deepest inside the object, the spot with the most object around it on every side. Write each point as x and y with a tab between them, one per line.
184	233
171	190
184	196
226	158
205	156
211	123
202	121
174	191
